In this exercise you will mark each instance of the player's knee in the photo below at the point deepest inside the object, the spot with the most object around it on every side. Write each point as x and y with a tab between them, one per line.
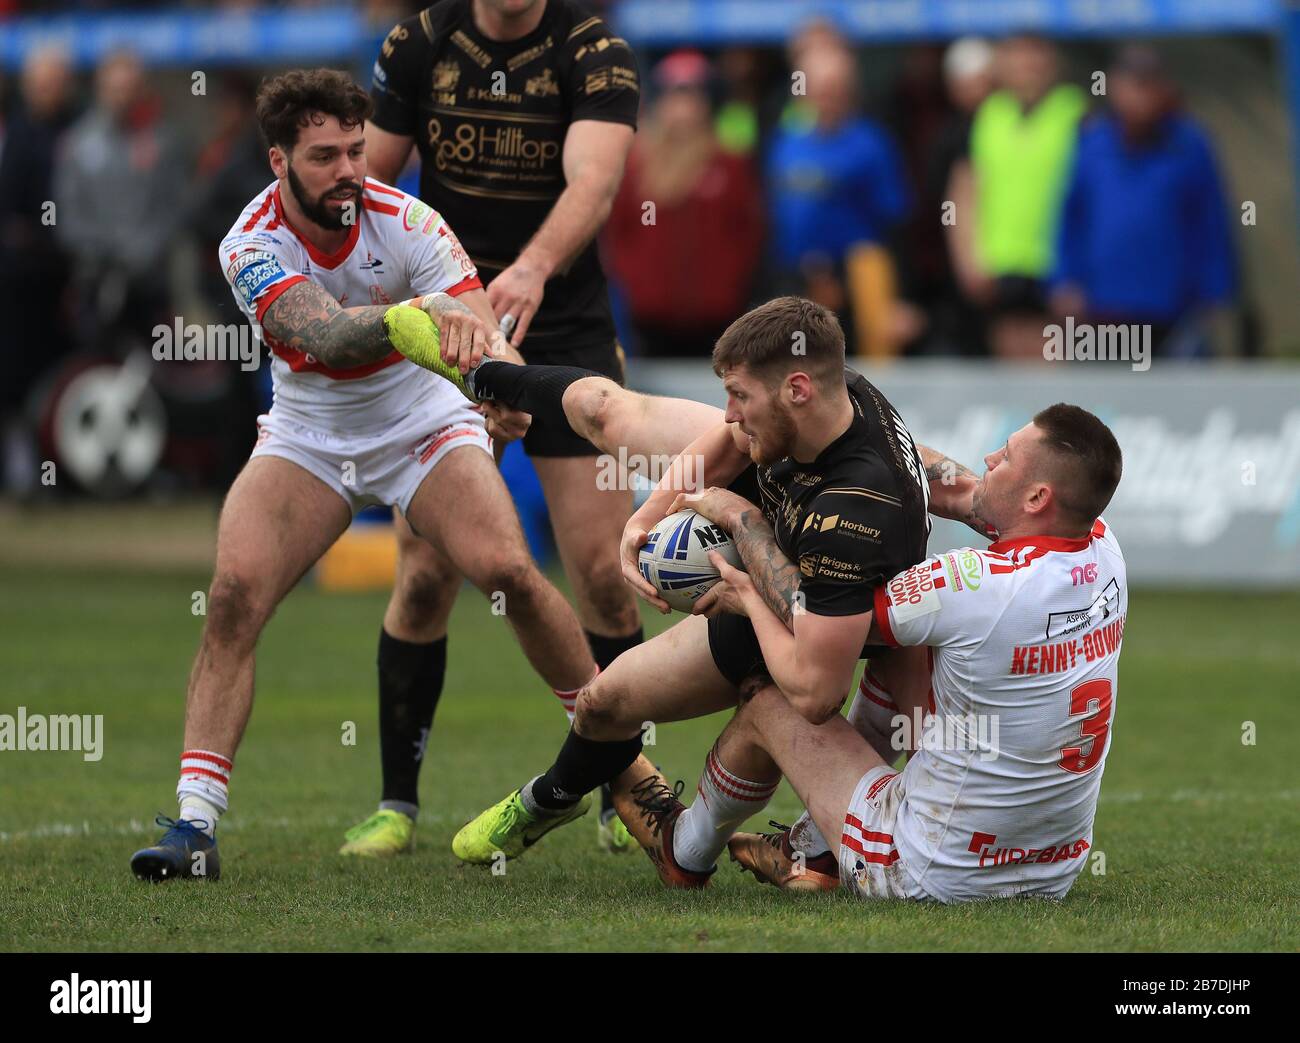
590	405
512	574
597	709
235	612
610	597
423	593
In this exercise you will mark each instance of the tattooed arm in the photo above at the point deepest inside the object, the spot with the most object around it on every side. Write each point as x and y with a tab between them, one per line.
307	318
952	490
775	577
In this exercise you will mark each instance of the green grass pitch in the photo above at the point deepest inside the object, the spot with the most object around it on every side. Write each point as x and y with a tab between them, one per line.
1200	832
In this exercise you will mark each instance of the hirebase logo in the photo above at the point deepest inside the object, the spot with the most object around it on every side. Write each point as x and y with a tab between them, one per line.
1087	342
965	732
983	844
637	471
92	996
26	732
214	342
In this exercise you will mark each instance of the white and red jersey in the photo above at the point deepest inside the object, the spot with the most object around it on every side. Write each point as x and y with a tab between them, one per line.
398	248
1026	636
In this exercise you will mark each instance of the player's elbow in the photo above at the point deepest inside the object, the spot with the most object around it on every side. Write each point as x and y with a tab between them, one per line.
816	703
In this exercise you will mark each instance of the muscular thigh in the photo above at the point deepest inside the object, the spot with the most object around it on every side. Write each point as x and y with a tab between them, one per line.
423	589
823	762
652	426
671	677
464	509
275	524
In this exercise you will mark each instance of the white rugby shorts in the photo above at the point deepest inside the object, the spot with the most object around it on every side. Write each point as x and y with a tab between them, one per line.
384	466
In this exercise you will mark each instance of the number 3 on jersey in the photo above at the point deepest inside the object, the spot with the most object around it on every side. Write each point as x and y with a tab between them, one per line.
1093	698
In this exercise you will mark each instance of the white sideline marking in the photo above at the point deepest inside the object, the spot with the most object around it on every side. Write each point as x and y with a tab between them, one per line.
139	827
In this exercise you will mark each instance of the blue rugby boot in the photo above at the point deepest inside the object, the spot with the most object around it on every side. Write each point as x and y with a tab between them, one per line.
184	852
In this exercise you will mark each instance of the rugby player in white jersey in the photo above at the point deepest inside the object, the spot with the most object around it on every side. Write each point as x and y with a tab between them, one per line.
1000	795
317	261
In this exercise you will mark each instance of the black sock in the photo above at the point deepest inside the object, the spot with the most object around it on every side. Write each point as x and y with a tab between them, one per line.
534	389
410	682
605	650
583	764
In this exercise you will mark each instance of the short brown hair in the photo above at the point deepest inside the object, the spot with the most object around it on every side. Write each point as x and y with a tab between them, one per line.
785	334
1087	456
285	103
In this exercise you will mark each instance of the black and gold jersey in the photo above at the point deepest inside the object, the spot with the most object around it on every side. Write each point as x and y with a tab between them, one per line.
490	119
856	515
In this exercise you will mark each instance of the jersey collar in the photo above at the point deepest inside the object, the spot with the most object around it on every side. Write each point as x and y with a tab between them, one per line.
1056	543
320	257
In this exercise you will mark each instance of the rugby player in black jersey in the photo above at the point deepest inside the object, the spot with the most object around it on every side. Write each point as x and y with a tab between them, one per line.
522	112
842	493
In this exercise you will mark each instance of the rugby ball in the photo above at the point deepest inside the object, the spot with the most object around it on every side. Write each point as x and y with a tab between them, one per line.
675	557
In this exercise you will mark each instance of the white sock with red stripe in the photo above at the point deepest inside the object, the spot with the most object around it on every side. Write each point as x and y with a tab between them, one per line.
569	699
203	789
723	802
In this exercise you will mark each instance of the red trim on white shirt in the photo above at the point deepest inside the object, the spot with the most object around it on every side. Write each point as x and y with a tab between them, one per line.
1044	543
260	212
378	186
323	259
301	362
470	282
882	617
271	295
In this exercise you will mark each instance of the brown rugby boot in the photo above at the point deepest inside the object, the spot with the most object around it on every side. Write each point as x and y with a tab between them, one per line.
649	809
773	860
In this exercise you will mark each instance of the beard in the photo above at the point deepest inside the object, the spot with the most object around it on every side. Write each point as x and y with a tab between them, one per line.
981	510
777	442
317	211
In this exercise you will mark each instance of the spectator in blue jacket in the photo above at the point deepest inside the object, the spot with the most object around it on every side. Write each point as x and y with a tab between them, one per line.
1144	236
837	186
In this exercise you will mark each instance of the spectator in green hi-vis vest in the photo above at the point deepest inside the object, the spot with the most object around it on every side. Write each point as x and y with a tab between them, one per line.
1022	144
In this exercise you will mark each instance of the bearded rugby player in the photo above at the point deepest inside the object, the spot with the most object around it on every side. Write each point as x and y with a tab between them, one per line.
353	423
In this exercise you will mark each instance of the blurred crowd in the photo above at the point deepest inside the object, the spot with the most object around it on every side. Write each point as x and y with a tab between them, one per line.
986	194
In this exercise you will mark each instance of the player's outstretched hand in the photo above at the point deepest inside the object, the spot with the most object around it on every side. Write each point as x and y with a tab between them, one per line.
634	536
515	296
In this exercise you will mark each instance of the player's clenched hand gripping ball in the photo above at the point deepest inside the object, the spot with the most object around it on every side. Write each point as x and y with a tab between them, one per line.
675	557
